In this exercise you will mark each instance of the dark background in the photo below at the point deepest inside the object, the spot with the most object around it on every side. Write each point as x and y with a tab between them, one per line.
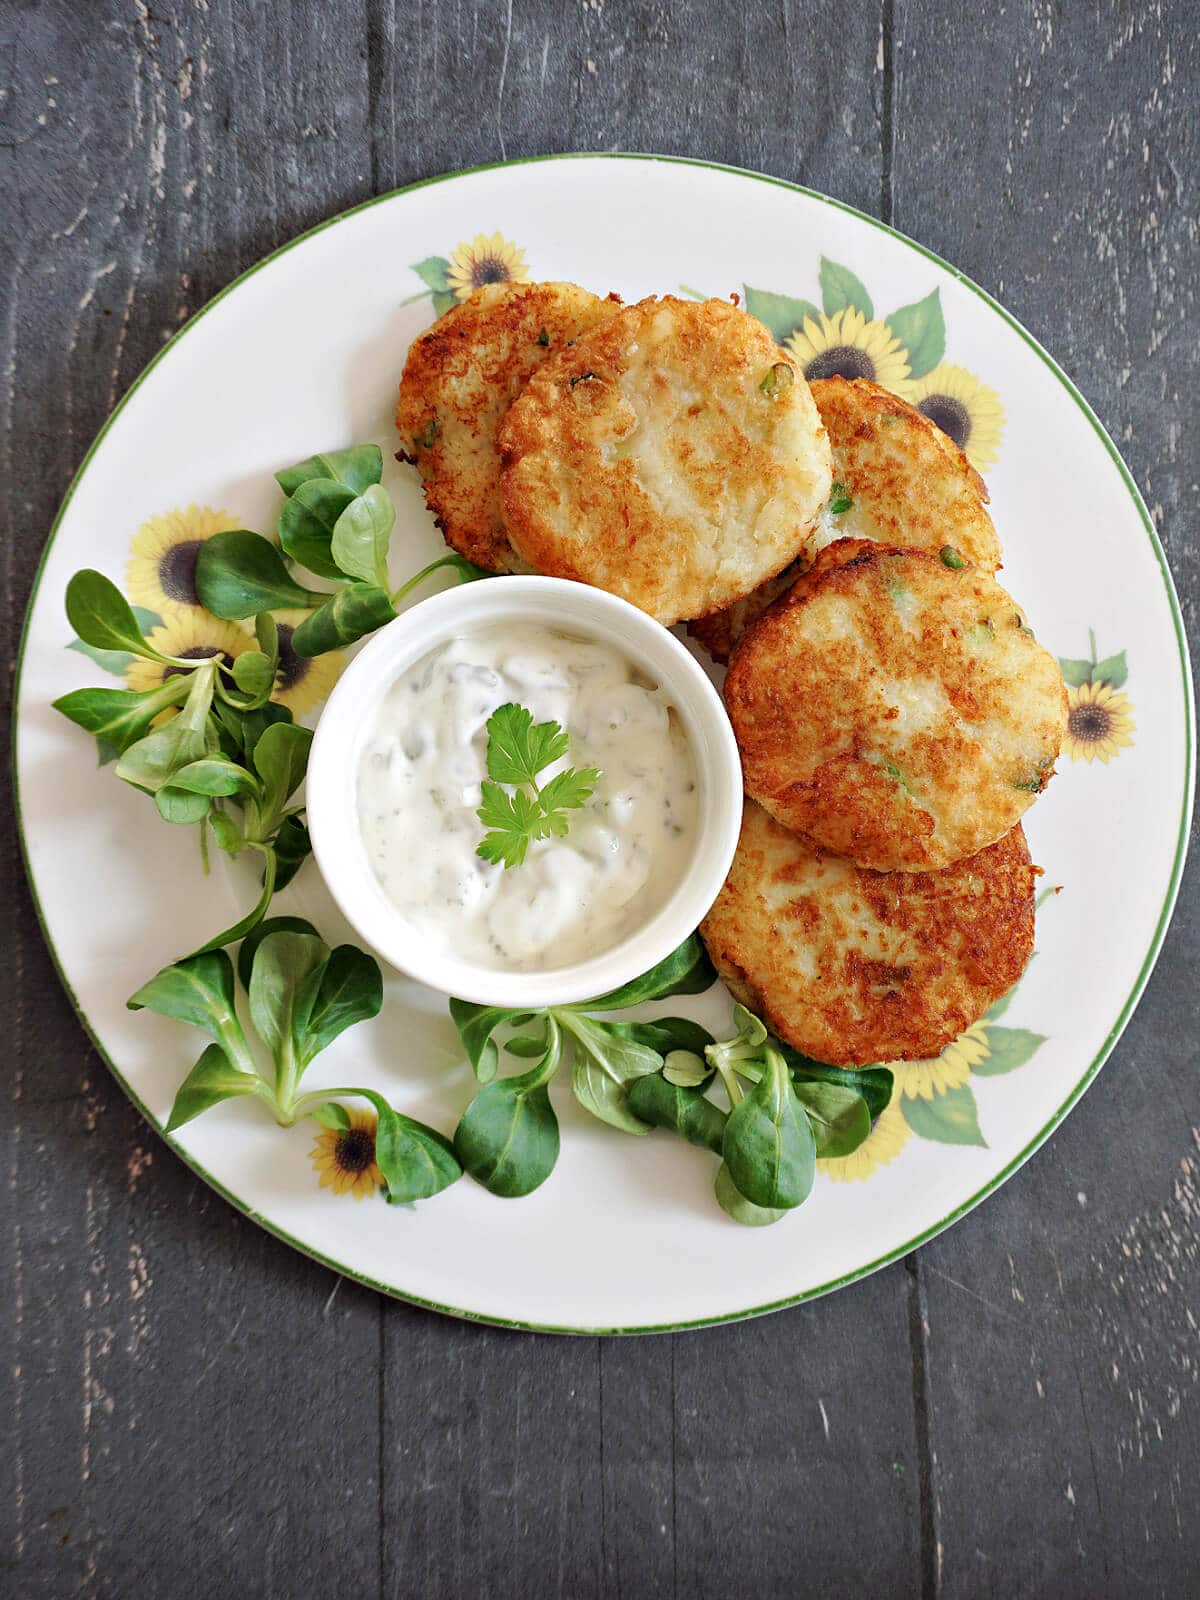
197	1410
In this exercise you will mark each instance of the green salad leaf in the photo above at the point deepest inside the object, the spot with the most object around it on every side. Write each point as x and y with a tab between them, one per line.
735	1205
785	1110
361	534
508	1137
342	618
102	617
239	574
214	1078
604	1064
769	1148
302	996
121	716
307	521
663	1104
355	469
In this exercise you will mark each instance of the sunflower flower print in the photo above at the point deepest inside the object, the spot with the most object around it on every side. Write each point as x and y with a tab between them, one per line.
161	574
488	258
903	351
1099	723
934	1099
345	1157
1099	717
951	1070
473	263
302	682
190	638
850	345
964	408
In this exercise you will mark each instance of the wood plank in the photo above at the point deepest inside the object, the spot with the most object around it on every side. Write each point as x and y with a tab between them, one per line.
786	90
491	1444
188	1404
1043	150
798	1457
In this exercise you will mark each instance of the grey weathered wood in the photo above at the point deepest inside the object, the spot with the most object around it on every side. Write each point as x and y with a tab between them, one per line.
1063	1346
1014	1411
190	1414
491	1447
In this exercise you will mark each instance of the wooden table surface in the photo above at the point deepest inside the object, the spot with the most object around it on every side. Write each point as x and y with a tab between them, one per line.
193	1409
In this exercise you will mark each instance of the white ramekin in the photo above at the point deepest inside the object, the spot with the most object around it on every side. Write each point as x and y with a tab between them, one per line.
333	782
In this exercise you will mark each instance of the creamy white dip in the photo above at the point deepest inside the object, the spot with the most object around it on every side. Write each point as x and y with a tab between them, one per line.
424	757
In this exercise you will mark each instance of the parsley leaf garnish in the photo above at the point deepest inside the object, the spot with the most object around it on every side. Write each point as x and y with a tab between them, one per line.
514	819
518	749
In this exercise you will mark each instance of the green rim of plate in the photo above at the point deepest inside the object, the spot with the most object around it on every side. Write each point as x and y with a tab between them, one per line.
1123	1015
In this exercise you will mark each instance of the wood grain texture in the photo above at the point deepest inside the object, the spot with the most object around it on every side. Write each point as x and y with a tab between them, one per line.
194	1408
1062	1319
190	1415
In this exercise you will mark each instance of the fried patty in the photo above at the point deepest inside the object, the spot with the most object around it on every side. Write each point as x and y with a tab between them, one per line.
851	966
673	456
895	709
460	378
907	482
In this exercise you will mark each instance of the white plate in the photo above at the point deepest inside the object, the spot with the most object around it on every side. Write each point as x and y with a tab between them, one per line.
303	353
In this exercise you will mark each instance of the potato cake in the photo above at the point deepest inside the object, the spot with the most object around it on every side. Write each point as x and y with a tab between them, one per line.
897	479
673	456
460	377
894	706
852	966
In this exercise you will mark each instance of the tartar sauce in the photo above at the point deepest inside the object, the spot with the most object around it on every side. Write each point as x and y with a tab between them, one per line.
423	760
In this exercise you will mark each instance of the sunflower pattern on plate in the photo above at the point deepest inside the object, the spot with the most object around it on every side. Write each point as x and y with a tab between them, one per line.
198	637
487	258
934	1099
160	580
1099	717
302	682
903	351
849	345
161	574
345	1157
964	408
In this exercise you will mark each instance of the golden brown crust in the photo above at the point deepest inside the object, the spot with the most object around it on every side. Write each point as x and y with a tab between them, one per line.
852	966
894	709
460	377
648	460
720	631
909	484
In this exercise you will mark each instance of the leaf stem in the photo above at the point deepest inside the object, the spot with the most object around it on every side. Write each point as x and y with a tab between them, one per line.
199	697
410	584
304	1105
287	1076
251	920
732	1087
